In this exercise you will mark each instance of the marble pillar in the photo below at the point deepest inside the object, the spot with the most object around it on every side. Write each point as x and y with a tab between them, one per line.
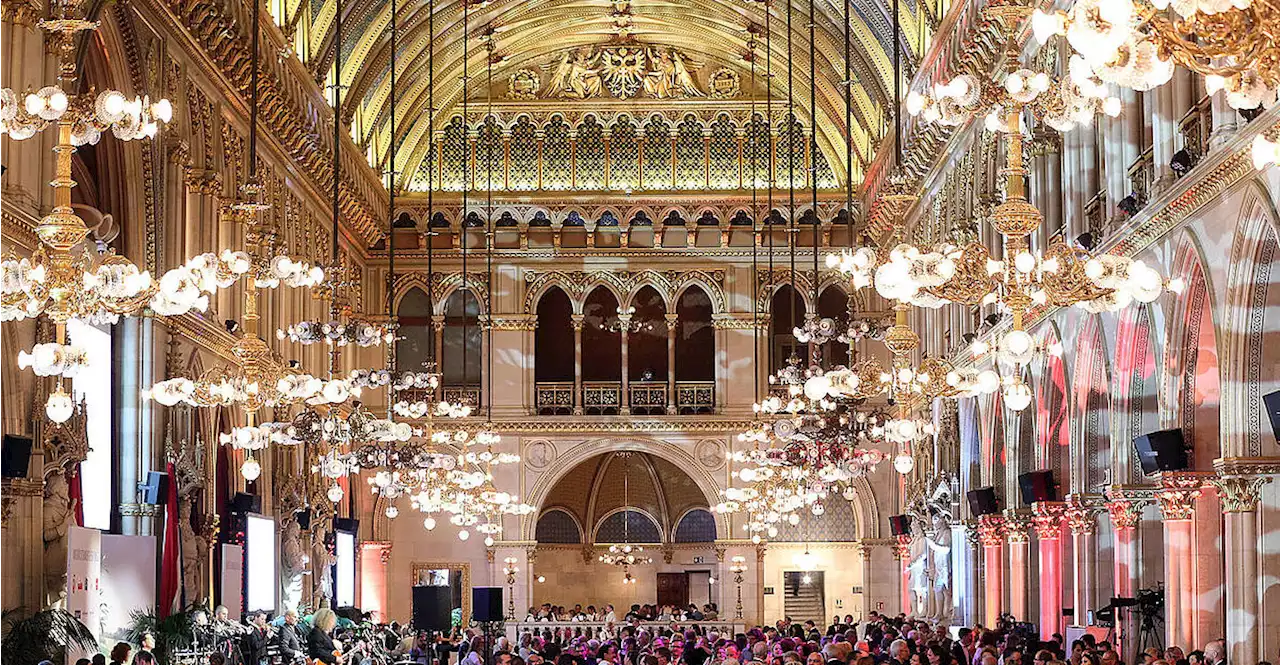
672	327
1018	533
1046	520
902	554
1081	519
577	320
1177	496
1240	499
1126	514
991	530
624	324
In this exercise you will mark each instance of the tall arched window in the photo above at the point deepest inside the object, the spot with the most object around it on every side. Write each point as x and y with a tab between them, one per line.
785	309
834	304
553	353
416	334
695	352
463	348
647	353
601	354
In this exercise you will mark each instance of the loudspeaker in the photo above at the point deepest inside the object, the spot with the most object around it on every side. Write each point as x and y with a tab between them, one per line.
983	501
486	604
1161	451
346	524
900	525
432	607
1038	486
246	503
15	456
156	490
1271	402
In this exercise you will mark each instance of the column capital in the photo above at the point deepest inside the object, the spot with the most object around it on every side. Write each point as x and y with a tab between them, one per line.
577	320
1240	494
1125	503
1178	493
991	530
902	548
1046	519
381	547
1081	515
1017	526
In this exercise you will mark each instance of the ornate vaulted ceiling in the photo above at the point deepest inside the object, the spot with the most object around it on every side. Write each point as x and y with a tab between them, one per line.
534	38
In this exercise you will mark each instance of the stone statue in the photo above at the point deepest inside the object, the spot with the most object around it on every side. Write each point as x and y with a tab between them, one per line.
189	467
574	77
939	543
918	570
59	512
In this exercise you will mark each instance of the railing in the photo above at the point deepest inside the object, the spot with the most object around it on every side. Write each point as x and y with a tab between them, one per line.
465	394
648	398
1142	176
1196	126
554	398
601	398
693	397
1095	214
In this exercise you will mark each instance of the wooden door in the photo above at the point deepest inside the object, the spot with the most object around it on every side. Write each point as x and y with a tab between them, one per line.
673	589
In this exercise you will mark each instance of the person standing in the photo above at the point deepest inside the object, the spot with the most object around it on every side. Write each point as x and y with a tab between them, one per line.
320	645
290	639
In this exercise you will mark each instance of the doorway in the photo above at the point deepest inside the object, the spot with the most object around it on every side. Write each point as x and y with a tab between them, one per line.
804	595
673	589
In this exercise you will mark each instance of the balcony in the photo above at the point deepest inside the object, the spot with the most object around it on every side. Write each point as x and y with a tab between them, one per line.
644	398
1196	126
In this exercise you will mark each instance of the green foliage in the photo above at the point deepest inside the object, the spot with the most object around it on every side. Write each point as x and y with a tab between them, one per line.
45	635
172	633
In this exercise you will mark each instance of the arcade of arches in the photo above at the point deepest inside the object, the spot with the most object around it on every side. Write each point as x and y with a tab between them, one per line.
608	265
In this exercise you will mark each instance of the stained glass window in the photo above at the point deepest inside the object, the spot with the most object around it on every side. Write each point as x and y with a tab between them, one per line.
791	154
724	154
697	526
556	174
454	149
557	526
489	167
624	154
523	171
590	156
639	528
657	154
691	155
755	153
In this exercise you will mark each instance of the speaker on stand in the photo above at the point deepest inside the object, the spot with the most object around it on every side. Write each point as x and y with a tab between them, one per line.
486	610
433	613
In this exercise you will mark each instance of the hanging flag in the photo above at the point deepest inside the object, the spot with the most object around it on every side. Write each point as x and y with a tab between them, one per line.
171	559
76	494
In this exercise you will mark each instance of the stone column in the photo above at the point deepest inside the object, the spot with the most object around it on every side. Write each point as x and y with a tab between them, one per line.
672	327
1047	522
1225	120
902	554
1018	533
375	555
1164	136
991	532
437	340
1177	496
973	588
624	324
577	320
1082	520
1240	498
1126	514
760	552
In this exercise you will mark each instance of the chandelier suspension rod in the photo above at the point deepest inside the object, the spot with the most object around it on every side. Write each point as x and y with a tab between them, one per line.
897	87
431	188
489	237
813	156
466	187
772	165
253	93
755	218
791	171
391	223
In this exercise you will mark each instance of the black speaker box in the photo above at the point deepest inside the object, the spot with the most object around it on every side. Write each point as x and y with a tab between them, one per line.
900	525
156	490
1164	450
246	503
346	524
486	603
1271	401
1038	486
432	608
983	501
15	456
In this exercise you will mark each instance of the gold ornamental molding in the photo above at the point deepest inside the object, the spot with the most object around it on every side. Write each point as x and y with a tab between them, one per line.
201	333
669	284
1247	466
18	227
636	424
139	510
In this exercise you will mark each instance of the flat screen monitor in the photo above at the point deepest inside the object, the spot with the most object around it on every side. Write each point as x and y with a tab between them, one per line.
344	578
260	563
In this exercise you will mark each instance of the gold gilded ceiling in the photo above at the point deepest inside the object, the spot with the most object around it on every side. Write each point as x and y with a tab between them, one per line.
636	54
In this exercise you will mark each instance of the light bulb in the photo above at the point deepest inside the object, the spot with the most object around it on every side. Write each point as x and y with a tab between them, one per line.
488	541
904	463
335	493
251	469
464	534
1017	396
1265	152
59	406
392	512
429	523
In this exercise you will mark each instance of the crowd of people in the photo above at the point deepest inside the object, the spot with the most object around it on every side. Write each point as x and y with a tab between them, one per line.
651	635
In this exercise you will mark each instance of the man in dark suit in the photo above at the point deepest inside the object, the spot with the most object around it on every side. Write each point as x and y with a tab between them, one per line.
289	638
254	643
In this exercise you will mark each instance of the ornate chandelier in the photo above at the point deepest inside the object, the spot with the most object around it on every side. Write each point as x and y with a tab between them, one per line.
625	554
1234	44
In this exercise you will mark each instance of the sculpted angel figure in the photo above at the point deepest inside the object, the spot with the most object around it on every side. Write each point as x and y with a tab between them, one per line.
681	77
574	78
59	511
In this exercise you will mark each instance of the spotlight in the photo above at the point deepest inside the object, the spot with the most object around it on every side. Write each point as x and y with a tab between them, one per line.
294	364
231	326
969	337
992	319
1250	114
1129	205
1182	162
1087	240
